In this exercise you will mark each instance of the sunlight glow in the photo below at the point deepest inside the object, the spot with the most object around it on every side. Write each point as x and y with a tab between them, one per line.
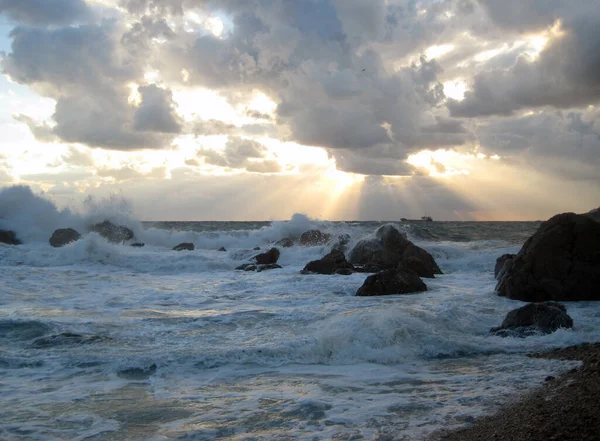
455	89
441	163
438	51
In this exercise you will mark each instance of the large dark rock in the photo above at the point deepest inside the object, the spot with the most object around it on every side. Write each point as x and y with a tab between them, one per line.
561	261
111	232
392	282
594	214
534	318
314	237
391	249
329	264
270	256
185	246
63	236
9	238
138	244
502	264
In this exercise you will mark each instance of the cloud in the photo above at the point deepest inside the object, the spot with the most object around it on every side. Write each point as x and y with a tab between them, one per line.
41	131
156	113
240	153
45	12
565	74
87	72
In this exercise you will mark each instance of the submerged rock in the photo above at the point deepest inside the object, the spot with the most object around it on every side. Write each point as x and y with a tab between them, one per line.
502	264
561	261
258	268
63	236
185	246
391	249
392	281
111	232
223	249
138	244
285	243
545	317
329	264
9	237
314	237
270	256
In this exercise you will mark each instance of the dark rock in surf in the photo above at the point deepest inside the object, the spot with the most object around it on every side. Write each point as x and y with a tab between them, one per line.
391	249
392	281
9	238
314	237
285	243
368	268
344	271
329	264
534	318
138	244
561	262
256	249
258	268
342	243
502	264
111	232
185	246
269	257
222	249
64	236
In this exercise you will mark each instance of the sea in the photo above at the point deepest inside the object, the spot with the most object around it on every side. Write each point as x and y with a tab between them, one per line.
102	341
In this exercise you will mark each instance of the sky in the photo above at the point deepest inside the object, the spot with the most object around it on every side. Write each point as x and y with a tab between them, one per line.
338	109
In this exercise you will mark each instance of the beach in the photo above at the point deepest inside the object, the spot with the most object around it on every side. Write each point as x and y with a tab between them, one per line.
564	408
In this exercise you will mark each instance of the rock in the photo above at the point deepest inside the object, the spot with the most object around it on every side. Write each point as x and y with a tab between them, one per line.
222	249
270	256
247	267
418	265
342	243
594	214
256	248
368	268
502	264
391	281
185	246
344	271
9	238
111	232
545	317
258	268
391	249
285	243
63	236
267	267
561	262
314	237
138	244
329	264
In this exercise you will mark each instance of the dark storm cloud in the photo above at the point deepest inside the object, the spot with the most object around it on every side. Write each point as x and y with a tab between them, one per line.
45	12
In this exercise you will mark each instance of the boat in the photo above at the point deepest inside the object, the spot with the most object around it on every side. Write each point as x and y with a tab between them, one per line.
426	218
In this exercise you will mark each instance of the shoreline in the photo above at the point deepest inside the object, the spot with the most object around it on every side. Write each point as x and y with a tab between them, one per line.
563	409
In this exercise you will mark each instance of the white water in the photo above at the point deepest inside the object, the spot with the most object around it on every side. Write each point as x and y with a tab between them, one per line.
179	345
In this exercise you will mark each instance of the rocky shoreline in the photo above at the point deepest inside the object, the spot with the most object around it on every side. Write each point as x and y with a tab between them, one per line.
566	408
